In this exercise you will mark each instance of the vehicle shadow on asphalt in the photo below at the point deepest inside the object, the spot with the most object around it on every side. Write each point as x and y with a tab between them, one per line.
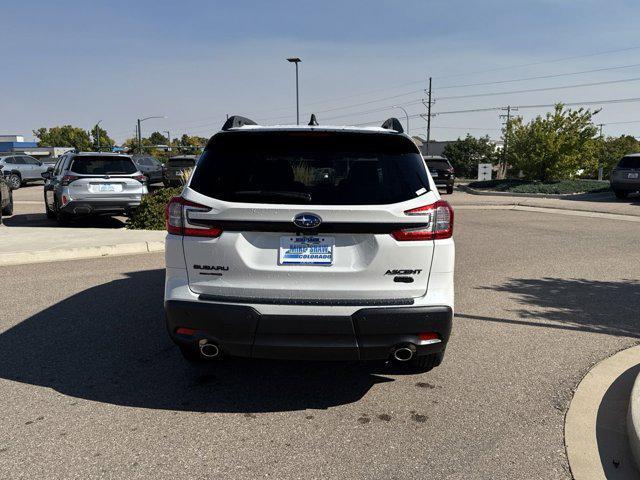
610	307
41	220
109	344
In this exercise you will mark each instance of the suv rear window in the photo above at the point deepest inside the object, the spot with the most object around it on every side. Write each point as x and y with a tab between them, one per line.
317	168
629	162
99	165
438	164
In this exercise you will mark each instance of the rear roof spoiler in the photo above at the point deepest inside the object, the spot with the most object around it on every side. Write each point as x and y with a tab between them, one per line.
393	124
236	121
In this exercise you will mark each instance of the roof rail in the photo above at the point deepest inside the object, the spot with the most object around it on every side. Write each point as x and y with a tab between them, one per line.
236	121
393	124
313	122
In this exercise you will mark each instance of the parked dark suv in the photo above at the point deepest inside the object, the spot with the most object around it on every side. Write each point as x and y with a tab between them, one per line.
625	178
441	171
175	169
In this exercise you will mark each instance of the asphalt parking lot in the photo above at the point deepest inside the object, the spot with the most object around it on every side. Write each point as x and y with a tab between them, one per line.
91	386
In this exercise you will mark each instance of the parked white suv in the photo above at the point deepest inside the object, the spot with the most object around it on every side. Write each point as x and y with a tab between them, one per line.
310	242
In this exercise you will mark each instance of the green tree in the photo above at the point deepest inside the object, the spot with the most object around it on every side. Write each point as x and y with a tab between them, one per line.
156	138
64	136
465	154
555	146
101	133
612	149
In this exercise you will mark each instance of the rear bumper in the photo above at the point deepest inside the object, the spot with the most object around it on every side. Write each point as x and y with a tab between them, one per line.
630	185
86	207
444	182
368	334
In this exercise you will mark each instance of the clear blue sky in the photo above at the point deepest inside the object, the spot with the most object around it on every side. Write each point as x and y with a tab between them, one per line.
194	61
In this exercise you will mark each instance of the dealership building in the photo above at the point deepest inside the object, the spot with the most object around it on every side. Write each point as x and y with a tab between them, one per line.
16	144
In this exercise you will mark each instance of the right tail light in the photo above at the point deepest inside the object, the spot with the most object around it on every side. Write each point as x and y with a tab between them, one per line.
177	219
440	224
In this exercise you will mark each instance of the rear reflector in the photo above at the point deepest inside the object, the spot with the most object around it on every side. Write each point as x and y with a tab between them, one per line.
185	331
177	219
440	218
428	338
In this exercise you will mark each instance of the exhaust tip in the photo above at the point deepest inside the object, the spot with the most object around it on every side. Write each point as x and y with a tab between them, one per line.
403	354
209	350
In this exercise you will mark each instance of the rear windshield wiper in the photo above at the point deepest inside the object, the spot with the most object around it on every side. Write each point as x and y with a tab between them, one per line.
274	193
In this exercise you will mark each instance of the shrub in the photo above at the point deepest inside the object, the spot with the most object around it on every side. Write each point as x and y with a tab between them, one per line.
150	214
553	187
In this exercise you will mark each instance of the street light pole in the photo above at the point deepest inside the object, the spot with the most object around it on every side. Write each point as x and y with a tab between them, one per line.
140	120
296	60
168	138
405	114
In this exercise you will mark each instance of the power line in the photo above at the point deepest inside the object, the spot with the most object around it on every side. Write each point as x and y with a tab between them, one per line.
540	77
544	89
417	82
556	60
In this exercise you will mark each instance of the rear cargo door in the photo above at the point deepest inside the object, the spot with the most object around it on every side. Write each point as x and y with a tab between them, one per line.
309	218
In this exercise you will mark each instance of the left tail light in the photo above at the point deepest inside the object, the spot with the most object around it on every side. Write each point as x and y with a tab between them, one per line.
67	179
440	223
177	219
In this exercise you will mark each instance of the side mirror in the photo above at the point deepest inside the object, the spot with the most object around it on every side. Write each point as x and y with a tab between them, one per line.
48	174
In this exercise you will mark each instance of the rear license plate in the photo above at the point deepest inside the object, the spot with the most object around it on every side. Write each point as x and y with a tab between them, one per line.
312	250
632	175
107	187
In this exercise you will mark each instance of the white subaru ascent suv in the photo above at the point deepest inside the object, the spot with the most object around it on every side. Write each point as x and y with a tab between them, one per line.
310	242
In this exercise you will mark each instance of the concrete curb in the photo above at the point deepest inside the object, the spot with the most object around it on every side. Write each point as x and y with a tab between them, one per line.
61	254
633	421
595	425
473	191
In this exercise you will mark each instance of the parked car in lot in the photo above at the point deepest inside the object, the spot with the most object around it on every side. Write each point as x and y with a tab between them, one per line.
6	199
442	172
175	168
310	243
21	169
625	178
150	167
93	184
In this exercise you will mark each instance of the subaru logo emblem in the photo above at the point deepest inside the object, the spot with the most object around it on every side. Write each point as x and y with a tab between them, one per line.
307	220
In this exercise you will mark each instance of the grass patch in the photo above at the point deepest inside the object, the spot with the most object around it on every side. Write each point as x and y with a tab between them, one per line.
150	214
558	187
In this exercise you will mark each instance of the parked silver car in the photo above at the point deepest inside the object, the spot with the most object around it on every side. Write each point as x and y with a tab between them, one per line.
20	169
93	184
625	178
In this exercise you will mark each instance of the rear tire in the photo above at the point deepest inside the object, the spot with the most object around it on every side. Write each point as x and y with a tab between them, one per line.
449	189
63	218
14	181
621	194
8	210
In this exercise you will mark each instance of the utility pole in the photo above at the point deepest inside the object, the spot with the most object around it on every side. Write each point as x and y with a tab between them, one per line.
502	171
600	165
428	105
139	137
168	138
